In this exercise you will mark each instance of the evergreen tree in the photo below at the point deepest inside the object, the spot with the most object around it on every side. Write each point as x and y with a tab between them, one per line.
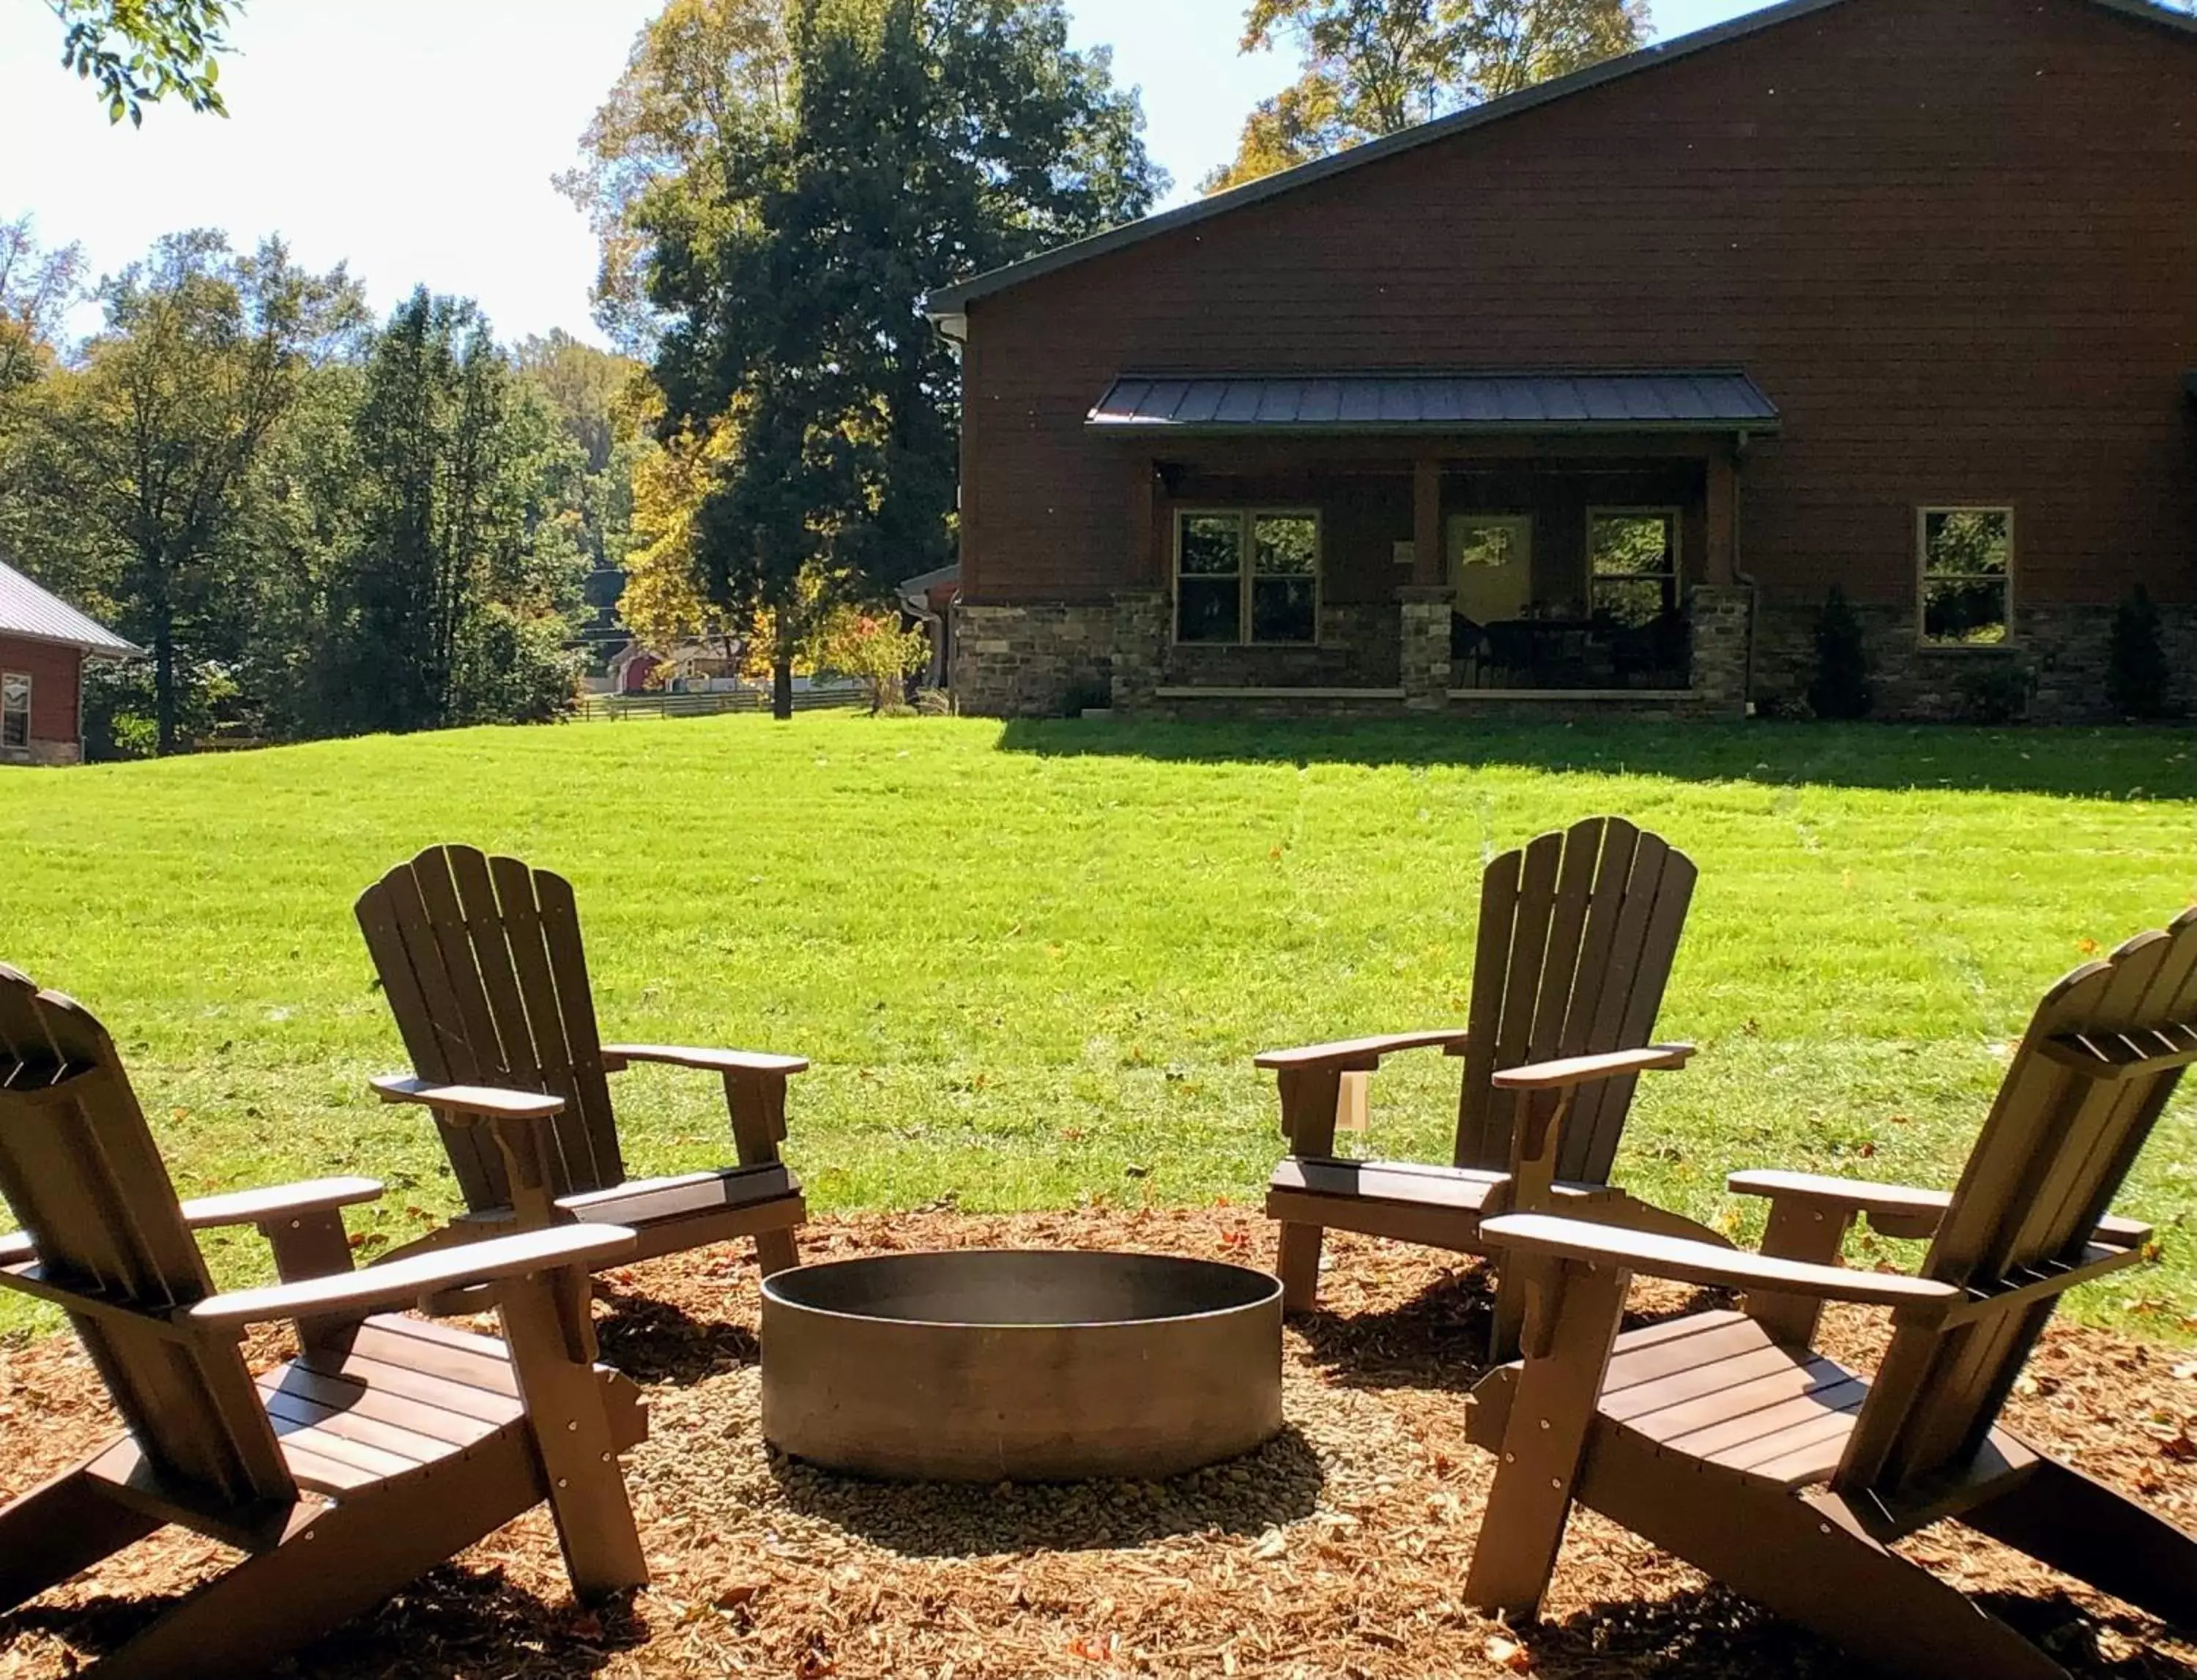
1841	686
2138	679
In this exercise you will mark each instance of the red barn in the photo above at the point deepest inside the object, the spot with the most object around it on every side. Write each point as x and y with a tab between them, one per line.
1585	398
43	643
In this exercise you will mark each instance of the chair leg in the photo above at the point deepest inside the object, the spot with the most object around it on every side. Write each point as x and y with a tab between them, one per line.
546	1323
346	1559
1574	1321
2063	1517
1299	1265
776	1251
1805	1557
54	1530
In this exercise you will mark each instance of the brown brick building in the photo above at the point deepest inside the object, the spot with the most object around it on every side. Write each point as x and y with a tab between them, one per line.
1585	399
43	643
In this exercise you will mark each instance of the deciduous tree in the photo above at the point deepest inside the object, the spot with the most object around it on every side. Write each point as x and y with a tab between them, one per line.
141	459
1371	67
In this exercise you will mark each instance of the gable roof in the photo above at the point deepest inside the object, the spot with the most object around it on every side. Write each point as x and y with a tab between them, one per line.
950	301
36	615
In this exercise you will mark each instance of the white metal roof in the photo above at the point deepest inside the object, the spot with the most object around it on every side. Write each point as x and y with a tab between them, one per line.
37	615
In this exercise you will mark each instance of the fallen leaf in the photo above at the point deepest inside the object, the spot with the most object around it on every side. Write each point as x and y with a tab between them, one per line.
1506	1654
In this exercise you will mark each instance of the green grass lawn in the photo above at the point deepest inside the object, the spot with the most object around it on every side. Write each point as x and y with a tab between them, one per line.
1031	962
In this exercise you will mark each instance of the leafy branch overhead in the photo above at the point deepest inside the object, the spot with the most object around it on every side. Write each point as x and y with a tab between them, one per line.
137	52
1372	67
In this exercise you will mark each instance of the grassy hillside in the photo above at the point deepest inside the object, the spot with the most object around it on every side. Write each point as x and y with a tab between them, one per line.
1031	963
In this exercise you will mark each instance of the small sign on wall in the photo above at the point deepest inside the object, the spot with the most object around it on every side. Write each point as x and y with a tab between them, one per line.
1404	554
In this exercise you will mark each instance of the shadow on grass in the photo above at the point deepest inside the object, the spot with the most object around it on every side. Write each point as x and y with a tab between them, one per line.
451	1622
654	1341
1279	1483
2115	763
1718	1634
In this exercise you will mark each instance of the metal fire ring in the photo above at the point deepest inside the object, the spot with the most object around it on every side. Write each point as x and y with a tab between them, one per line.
1004	1365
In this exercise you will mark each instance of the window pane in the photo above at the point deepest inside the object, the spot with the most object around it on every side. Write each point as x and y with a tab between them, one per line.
1282	609
1212	545
1207	609
1493	543
1968	610
14	710
1968	542
1631	544
1285	545
1633	601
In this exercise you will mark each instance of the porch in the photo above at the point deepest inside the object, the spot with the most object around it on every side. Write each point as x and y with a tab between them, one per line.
1359	543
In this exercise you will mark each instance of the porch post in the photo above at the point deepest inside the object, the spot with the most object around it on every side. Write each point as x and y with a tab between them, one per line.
1140	611
1426	523
1723	501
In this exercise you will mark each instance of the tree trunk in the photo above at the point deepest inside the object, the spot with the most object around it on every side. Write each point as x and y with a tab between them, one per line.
782	685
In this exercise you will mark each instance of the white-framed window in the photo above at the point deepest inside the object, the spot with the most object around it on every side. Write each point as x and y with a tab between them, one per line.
1964	572
1632	563
14	709
1246	575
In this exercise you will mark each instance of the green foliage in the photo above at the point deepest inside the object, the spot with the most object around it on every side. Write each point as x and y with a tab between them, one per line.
137	52
867	151
870	645
36	287
1996	689
2138	679
137	465
454	599
1840	688
1026	959
1372	67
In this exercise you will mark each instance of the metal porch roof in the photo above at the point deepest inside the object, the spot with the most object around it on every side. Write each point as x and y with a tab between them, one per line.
1712	400
33	613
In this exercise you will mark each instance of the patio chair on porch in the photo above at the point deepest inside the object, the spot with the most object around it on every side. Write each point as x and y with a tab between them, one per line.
1723	1437
482	962
1577	934
387	1446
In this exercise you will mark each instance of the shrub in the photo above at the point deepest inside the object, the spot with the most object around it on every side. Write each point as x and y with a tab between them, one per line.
1841	686
1997	690
872	647
2138	679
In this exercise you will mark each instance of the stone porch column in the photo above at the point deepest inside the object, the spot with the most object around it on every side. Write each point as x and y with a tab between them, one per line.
1720	617
1140	639
1423	623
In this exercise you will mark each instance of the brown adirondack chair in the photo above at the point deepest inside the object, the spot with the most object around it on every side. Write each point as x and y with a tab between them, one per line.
1723	1438
482	962
1576	937
413	1440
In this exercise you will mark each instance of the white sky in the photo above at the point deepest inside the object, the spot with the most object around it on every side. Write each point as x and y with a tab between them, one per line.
416	138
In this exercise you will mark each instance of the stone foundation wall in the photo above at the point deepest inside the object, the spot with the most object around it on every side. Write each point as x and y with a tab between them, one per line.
1357	649
44	752
1718	617
2053	671
1033	661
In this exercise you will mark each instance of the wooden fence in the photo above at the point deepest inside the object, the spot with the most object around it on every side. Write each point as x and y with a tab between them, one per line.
596	707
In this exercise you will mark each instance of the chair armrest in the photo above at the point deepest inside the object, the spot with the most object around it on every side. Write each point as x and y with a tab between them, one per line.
616	1056
243	1207
406	1282
1587	1070
1895	1210
486	1101
1352	1056
1703	1263
278	1201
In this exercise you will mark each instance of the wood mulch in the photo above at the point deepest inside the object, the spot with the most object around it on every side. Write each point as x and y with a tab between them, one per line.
1340	1550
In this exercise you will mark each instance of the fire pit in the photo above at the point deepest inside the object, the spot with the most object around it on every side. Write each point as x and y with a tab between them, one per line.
996	1364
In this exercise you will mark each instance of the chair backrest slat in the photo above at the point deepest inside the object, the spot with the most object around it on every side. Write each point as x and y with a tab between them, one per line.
2054	1151
483	966
1577	932
80	1172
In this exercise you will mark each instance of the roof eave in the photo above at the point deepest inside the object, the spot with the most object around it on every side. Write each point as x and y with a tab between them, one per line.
117	649
1695	428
